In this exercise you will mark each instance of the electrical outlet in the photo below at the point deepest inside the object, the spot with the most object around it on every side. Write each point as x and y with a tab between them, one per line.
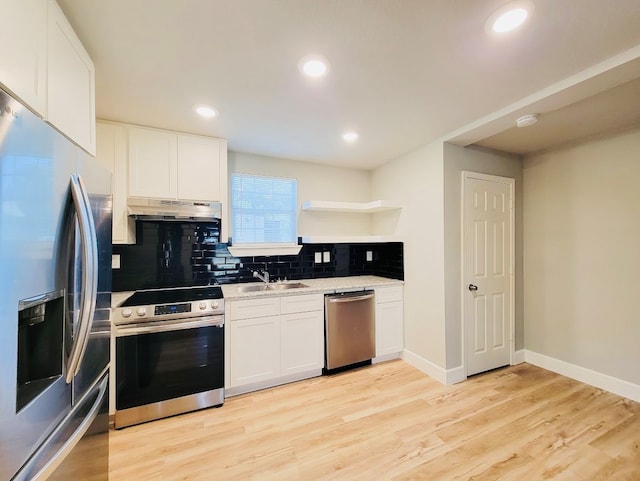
326	256
115	261
318	257
369	256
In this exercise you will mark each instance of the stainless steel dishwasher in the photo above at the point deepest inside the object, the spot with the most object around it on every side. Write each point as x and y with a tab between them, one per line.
350	331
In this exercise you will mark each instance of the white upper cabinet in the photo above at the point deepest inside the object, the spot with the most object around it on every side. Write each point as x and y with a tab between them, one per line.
153	163
200	167
111	152
170	165
70	82
23	50
43	63
160	164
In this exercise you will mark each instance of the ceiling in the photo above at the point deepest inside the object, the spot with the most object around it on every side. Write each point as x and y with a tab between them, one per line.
402	73
613	110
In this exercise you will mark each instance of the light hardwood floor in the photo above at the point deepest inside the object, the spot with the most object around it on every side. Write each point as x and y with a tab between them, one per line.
391	422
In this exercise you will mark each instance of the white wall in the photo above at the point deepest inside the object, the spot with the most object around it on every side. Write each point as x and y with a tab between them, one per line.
416	181
427	183
582	255
315	182
456	160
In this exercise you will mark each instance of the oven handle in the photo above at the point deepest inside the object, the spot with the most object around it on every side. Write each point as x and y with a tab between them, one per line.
166	326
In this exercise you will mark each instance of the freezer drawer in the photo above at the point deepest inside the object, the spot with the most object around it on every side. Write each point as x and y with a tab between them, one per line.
350	335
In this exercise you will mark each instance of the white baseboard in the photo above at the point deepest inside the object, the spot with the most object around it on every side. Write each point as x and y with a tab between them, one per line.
582	374
587	376
385	357
443	376
456	375
519	357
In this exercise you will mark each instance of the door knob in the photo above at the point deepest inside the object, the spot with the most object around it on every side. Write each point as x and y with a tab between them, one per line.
473	288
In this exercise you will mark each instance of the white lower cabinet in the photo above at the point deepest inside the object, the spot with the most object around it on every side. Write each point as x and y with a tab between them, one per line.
389	321
274	340
255	348
301	340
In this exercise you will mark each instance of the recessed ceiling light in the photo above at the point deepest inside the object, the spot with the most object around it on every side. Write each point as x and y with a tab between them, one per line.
350	137
510	20
205	111
509	17
314	66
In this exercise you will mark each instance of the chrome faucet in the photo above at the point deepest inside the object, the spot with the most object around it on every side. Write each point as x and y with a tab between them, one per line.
263	277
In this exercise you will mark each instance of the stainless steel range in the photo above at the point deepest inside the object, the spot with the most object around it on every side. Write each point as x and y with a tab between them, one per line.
169	353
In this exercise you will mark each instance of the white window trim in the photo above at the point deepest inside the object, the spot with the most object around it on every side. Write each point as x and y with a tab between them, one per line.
247	250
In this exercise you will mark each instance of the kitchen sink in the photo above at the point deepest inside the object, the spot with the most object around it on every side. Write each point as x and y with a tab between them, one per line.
278	286
259	287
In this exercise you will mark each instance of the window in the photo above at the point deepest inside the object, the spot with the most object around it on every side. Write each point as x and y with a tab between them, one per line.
264	210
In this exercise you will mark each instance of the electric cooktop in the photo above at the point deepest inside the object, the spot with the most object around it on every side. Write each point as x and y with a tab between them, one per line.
172	296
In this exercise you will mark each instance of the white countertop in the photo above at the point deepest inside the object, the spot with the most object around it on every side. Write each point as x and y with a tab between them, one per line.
324	285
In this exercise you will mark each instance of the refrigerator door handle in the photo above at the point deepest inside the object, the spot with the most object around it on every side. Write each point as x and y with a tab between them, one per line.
52	461
88	293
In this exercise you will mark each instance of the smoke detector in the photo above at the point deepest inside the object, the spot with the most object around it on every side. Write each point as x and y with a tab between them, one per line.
527	120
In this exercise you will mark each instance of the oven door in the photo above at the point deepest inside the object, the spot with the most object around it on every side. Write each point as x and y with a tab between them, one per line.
164	360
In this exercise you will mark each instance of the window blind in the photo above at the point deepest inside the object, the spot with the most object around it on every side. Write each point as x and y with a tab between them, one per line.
264	209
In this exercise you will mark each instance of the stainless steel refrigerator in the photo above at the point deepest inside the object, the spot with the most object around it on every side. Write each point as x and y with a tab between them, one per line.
55	300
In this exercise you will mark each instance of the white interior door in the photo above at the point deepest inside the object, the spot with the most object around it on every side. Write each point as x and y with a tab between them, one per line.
488	243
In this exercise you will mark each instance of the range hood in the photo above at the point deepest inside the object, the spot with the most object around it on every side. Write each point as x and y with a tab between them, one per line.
173	210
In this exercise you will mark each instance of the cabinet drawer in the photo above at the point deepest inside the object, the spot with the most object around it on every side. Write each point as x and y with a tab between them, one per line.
388	294
305	303
245	309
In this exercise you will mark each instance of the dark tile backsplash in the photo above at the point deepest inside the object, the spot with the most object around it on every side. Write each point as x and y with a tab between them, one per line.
171	254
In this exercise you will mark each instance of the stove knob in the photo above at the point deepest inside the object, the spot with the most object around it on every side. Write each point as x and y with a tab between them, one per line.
127	312
202	306
141	312
214	304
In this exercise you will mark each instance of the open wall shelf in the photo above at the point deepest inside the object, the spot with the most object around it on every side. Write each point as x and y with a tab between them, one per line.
349	207
355	207
362	239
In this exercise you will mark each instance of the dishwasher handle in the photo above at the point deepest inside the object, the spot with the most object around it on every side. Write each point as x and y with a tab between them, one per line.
351	297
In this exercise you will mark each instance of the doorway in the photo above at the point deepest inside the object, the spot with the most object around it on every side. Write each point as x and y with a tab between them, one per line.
488	271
